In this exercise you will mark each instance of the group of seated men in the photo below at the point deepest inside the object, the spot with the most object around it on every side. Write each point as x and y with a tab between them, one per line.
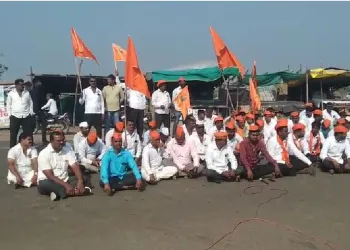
240	146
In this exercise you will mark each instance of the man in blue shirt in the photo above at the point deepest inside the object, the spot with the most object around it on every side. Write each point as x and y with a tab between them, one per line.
113	171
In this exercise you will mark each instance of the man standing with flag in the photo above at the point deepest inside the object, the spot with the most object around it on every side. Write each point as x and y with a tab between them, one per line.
176	92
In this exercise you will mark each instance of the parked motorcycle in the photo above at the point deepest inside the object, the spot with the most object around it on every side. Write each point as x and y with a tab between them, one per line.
55	122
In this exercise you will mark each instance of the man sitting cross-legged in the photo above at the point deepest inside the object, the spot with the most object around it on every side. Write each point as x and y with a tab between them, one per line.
115	163
221	163
153	168
53	178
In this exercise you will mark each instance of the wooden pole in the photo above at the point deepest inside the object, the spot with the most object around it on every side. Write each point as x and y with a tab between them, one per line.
307	85
78	68
321	85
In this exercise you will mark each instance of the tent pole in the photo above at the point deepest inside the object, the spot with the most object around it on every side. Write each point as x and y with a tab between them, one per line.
307	85
78	67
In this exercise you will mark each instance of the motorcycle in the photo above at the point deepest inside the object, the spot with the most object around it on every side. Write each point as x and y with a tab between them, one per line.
52	123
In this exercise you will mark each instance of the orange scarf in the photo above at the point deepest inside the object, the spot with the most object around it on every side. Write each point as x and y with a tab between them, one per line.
317	146
285	154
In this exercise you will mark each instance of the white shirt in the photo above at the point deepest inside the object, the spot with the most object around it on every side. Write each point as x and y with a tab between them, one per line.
294	150
19	106
133	143
275	149
78	137
159	99
187	134
108	137
334	149
201	147
136	99
333	116
234	141
269	130
94	103
88	153
212	131
209	123
176	92
23	163
218	159
307	121
291	124
52	106
57	162
151	159
306	142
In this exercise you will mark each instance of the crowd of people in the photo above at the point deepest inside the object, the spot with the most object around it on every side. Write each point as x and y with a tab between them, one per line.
245	145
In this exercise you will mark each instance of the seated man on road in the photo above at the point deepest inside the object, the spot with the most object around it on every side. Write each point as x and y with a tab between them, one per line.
240	126
133	142
118	128
333	150
184	155
294	119
90	152
53	178
164	140
153	169
325	128
23	163
218	126
339	122
81	135
233	138
152	126
221	163
200	141
260	124
249	120
189	126
252	149
115	163
313	142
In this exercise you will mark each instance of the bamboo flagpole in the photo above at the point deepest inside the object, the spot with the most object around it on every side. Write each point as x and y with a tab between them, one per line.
78	68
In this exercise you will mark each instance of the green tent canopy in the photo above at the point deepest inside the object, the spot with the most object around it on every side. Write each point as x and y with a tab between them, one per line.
202	75
274	78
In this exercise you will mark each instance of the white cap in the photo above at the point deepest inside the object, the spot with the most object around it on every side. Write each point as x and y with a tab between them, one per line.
164	131
199	122
83	125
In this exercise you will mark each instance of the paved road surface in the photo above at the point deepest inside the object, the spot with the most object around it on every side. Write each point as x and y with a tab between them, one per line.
177	215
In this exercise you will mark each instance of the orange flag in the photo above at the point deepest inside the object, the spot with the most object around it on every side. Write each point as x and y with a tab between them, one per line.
254	96
255	80
134	79
182	100
118	53
79	47
226	59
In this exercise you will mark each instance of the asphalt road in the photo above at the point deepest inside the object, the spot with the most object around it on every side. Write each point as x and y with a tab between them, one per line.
179	215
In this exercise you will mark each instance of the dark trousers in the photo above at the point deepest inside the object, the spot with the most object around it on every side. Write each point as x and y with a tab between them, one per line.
259	171
136	116
327	165
115	183
96	121
16	123
43	119
162	119
298	165
45	187
213	176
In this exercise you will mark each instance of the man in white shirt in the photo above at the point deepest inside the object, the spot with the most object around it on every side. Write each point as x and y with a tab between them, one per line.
153	169
90	152
312	142
221	163
118	128
23	163
152	126
200	141
164	140
233	139
161	102
49	110
218	126
53	178
81	135
330	114
333	150
136	109
341	122
269	126
209	120
294	119
231	117
132	142
189	126
19	107
175	93
94	106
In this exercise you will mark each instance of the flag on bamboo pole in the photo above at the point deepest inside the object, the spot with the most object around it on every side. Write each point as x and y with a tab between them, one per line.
254	97
182	101
254	78
134	79
79	47
119	53
226	59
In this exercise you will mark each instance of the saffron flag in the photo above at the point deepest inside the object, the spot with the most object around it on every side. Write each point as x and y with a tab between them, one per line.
255	80
254	96
79	47
119	54
134	79
226	59
182	100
